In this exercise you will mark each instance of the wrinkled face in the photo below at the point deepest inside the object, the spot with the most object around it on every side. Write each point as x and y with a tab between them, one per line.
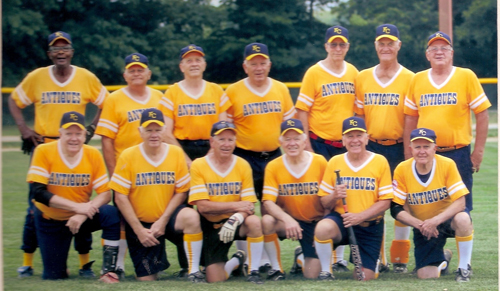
224	143
257	68
439	53
423	151
61	53
387	49
152	134
355	141
337	49
72	138
137	75
193	65
293	143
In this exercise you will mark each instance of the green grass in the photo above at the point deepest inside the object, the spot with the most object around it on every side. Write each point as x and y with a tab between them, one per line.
484	258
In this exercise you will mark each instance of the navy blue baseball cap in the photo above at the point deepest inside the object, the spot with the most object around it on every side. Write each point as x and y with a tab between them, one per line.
292	124
136	59
256	49
59	35
73	118
353	123
387	30
220	126
337	31
439	35
152	115
423	133
189	49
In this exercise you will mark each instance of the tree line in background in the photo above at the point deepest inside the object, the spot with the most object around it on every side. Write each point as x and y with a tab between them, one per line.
105	31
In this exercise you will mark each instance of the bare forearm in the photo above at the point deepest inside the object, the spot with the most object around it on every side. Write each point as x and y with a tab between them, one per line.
63	203
408	219
101	199
97	116
328	202
377	209
16	114
276	211
108	151
482	120
454	208
217	208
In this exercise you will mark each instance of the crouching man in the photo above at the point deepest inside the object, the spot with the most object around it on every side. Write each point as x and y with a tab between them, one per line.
222	189
64	174
430	197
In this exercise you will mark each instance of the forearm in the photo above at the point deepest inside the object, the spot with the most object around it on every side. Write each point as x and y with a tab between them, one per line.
63	203
128	212
482	120
17	114
97	116
217	208
454	208
408	219
108	151
101	199
176	200
276	211
377	209
223	116
328	202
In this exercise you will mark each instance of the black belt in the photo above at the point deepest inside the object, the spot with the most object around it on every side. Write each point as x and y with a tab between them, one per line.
333	143
449	149
371	222
262	155
197	142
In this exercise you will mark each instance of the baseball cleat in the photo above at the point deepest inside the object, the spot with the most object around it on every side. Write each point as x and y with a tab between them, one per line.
340	266
24	271
275	275
296	269
254	277
86	271
197	277
326	276
384	268
182	273
265	268
242	268
447	257
462	275
400	268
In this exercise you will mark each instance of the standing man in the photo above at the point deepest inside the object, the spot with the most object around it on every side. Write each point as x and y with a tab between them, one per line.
441	99
192	105
430	197
366	187
120	119
150	183
54	90
292	202
327	98
380	93
222	190
64	174
257	106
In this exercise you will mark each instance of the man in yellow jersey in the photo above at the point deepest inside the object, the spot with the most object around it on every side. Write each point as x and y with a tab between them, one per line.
326	98
192	105
222	190
366	187
64	174
291	199
258	102
380	93
429	195
119	121
441	99
54	90
150	183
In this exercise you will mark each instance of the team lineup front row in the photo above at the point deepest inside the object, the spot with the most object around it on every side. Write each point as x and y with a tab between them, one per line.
390	102
301	201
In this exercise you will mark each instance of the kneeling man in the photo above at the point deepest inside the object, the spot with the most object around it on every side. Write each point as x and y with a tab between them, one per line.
430	197
150	183
64	174
366	187
222	189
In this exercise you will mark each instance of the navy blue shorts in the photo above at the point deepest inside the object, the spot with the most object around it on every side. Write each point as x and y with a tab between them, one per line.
464	165
258	162
151	260
431	252
394	154
369	239
307	241
214	250
326	150
195	148
55	237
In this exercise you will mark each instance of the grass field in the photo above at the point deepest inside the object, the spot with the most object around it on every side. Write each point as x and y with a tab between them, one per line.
484	258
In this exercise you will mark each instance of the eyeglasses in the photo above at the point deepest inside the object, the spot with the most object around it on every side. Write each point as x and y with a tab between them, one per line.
342	45
435	49
57	49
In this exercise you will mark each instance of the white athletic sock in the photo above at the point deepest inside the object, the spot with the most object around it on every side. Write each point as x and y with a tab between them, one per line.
241	245
401	233
231	265
339	254
193	244
324	251
265	258
464	247
122	251
300	260
255	249
272	248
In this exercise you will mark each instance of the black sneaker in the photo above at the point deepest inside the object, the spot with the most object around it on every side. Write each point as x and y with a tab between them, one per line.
275	275
24	271
182	273
400	268
447	257
462	275
340	266
242	268
197	277
326	276
254	277
265	268
86	271
296	269
384	268
121	274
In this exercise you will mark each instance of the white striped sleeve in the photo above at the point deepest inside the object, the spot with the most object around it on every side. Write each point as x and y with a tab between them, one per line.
326	187
400	194
100	181
108	124
308	101
183	181
121	181
35	170
410	104
478	101
270	190
223	100
198	189
385	190
101	96
456	187
359	104
289	114
22	95
167	103
247	192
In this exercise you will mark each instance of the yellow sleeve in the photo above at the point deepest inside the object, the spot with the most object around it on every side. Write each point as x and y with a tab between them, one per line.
289	109
98	92
399	186
410	107
121	181
271	187
198	189
182	176
385	190
326	186
307	94
359	102
39	170
23	95
101	180
166	105
247	189
108	124
478	101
